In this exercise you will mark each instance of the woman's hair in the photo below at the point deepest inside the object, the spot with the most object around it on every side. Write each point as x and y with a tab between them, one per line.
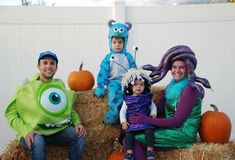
128	89
178	59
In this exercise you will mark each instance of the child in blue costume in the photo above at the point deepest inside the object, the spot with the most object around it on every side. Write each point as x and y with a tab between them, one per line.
137	99
113	67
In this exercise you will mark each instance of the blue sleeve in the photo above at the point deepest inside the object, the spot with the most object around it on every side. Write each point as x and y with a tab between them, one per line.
102	77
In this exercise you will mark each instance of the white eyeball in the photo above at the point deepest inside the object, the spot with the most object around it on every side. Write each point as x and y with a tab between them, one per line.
115	30
121	30
112	58
135	48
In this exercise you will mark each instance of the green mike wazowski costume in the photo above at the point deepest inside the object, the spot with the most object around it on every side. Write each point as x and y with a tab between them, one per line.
43	107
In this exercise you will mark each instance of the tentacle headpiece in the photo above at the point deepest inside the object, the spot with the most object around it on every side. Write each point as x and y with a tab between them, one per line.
180	52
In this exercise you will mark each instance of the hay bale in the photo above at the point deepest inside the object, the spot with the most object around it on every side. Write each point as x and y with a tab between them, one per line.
157	91
15	152
201	151
101	138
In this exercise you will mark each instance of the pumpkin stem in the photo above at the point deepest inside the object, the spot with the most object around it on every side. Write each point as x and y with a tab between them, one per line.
81	65
215	107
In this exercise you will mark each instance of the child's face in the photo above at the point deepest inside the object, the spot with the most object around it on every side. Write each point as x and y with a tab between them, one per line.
117	44
138	87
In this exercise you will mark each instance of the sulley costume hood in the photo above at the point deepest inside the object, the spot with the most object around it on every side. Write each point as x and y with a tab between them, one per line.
118	30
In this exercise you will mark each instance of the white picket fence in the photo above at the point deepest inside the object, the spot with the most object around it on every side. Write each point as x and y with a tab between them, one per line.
81	34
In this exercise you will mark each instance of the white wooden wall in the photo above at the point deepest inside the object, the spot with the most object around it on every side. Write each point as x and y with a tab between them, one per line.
81	34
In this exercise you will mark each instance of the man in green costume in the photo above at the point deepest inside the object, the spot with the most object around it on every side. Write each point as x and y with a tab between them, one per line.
42	113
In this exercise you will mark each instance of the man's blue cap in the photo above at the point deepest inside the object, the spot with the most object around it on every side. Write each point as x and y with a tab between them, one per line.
47	54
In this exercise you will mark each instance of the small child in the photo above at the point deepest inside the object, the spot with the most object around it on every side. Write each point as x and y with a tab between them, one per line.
112	68
137	99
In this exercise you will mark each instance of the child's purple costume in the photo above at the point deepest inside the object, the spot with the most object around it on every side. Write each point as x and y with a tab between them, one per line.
138	104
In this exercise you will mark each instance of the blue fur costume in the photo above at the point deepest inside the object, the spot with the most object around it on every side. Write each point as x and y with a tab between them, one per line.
112	68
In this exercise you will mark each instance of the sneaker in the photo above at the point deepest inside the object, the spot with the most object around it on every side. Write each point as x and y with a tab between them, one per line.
150	155
129	157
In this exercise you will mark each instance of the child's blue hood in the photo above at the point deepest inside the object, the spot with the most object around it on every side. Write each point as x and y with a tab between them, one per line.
118	30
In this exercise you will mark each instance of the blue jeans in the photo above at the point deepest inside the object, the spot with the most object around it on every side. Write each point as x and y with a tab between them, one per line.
68	136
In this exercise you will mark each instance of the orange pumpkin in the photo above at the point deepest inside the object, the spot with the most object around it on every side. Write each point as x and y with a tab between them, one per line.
81	80
115	155
215	126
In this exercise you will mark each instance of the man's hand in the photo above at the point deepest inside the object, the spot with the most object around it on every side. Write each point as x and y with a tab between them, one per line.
153	115
125	125
81	131
29	138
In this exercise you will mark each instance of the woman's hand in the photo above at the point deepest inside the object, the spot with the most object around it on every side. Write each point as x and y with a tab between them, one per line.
138	118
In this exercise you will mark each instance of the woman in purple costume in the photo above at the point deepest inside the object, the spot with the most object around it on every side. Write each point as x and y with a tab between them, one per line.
137	99
180	105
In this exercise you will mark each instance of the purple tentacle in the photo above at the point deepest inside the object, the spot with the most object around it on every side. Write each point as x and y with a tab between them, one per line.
169	52
193	79
203	81
159	72
190	71
200	90
162	60
166	64
158	78
155	73
149	67
192	76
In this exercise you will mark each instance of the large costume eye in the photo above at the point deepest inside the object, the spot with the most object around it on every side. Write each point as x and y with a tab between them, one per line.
115	29
121	30
53	100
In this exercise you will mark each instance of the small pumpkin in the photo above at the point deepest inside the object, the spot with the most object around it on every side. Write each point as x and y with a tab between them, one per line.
116	155
81	80
215	126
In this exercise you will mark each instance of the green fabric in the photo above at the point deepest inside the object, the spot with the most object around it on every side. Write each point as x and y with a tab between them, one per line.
25	112
183	136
